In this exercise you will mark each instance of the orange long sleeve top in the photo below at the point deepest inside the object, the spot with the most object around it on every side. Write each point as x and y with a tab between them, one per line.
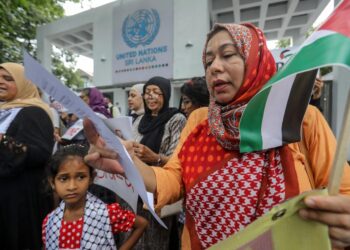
318	139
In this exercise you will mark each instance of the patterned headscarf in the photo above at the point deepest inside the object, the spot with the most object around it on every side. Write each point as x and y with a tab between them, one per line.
259	68
27	93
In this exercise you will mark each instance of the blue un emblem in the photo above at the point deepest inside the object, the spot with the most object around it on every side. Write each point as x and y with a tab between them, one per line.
141	27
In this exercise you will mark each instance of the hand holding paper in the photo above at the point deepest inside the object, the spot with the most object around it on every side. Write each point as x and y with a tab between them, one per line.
99	155
122	124
145	153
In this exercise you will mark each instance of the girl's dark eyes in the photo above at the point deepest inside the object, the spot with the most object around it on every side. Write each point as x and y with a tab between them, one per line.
62	178
81	177
65	178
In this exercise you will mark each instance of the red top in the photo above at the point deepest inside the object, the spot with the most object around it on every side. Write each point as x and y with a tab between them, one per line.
71	231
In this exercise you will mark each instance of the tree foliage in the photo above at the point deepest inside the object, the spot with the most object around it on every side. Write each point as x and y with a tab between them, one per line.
283	43
66	75
18	22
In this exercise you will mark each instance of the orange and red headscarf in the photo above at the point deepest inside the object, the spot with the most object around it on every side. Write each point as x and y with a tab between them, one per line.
259	68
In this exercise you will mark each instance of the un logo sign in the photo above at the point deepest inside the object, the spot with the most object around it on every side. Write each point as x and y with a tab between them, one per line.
141	27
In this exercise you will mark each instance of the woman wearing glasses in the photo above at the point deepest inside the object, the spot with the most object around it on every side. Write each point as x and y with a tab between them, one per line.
160	127
157	136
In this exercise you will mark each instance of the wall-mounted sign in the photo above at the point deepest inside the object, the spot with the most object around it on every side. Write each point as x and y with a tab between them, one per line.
143	40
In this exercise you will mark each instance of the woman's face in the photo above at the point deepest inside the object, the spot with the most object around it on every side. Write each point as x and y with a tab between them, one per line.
85	98
224	67
187	106
153	98
8	87
135	101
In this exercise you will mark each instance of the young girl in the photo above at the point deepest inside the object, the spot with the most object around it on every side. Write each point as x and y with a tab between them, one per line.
82	221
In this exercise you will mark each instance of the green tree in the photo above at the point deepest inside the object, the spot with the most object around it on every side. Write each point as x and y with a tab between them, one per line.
66	75
18	22
283	43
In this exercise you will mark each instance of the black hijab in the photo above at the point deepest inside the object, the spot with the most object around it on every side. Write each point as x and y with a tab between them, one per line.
152	127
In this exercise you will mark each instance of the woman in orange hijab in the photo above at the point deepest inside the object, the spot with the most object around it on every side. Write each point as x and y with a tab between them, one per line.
26	142
225	190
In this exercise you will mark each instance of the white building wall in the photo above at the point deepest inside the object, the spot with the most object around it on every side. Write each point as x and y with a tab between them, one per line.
45	32
191	24
103	32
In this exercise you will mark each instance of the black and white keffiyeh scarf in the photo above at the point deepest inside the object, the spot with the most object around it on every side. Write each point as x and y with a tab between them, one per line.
6	117
97	230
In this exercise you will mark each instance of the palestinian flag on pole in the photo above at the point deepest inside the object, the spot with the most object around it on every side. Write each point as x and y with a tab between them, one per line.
274	116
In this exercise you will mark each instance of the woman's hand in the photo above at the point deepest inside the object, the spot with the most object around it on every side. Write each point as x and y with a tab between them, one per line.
145	154
99	155
317	89
333	211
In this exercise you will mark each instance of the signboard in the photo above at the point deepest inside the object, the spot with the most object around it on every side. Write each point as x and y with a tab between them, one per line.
143	40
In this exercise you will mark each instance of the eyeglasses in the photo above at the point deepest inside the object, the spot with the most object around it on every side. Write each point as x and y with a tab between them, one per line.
152	93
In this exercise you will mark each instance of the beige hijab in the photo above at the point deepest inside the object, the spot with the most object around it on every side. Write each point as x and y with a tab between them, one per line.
27	93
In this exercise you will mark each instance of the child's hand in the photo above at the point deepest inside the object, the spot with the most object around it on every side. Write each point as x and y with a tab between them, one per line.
99	155
139	227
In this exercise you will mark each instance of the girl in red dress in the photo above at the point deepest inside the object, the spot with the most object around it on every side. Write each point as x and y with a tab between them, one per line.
82	221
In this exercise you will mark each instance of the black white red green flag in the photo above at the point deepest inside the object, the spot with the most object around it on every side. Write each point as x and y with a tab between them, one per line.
274	116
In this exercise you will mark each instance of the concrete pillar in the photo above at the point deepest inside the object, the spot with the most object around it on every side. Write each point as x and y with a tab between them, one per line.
103	32
44	49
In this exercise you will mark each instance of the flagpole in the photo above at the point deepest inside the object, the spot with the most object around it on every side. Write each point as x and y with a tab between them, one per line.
341	153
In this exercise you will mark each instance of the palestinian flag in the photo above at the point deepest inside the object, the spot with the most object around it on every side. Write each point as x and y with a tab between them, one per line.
274	116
